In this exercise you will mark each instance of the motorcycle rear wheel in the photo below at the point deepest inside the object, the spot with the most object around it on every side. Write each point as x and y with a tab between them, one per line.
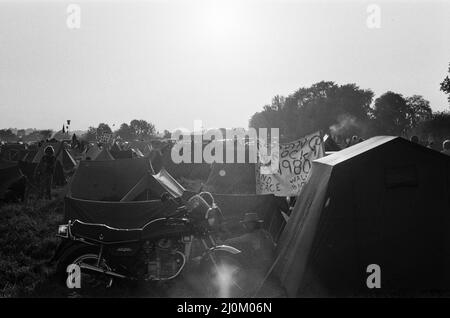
89	280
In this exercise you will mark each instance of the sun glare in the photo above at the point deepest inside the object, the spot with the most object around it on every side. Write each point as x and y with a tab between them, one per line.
221	19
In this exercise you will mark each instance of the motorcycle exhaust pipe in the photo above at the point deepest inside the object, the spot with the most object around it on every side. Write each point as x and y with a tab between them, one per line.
99	270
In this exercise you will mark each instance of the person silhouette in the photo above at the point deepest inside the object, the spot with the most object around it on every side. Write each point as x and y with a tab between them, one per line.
45	171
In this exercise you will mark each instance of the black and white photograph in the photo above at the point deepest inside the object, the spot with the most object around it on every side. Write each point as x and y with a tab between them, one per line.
195	150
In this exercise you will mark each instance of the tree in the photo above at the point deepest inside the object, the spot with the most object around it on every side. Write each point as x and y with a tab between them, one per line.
419	110
46	133
90	135
33	136
137	129
391	114
445	85
142	129
103	129
320	107
7	135
167	134
125	132
21	133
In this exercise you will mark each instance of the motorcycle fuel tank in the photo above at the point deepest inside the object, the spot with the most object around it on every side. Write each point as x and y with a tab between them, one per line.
166	227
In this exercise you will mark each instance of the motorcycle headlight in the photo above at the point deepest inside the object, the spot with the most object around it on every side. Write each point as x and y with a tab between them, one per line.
214	217
212	221
63	230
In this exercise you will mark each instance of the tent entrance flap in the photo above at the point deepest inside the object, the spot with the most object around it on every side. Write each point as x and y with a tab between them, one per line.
157	184
169	183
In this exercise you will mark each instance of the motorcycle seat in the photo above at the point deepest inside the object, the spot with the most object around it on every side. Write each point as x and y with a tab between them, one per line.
102	233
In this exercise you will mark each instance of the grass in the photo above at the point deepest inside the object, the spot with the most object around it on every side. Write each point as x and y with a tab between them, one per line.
28	241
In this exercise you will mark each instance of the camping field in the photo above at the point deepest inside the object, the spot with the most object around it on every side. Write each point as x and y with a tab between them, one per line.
28	240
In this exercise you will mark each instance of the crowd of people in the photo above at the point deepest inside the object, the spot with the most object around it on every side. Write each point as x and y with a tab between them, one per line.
445	144
429	144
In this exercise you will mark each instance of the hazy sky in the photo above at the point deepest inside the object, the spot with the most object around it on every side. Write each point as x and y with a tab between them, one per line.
171	62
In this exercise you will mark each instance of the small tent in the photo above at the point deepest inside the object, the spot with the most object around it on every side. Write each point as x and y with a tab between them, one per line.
191	170
103	155
57	147
147	149
92	152
122	154
115	147
29	156
62	155
9	173
137	153
232	178
384	201
13	152
329	144
67	161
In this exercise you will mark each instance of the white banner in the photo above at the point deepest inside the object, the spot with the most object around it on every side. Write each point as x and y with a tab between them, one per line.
295	162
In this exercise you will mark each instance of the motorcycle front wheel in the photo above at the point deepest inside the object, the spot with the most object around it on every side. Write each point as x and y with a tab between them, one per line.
89	280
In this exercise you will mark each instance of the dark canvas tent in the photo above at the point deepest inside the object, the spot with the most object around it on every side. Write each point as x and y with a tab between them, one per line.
107	180
122	154
137	153
28	169
154	186
146	150
119	193
9	173
67	161
183	170
384	201
57	146
144	147
232	178
13	152
115	147
329	144
92	152
103	155
29	156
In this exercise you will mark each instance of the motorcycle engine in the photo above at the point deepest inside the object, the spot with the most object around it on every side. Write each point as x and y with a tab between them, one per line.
164	259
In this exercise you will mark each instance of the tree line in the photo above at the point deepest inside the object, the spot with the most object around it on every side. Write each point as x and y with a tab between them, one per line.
340	110
137	129
348	110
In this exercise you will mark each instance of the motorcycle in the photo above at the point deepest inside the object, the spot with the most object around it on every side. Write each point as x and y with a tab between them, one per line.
159	251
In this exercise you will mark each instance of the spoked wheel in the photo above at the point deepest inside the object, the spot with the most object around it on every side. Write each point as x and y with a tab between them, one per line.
89	278
225	277
84	257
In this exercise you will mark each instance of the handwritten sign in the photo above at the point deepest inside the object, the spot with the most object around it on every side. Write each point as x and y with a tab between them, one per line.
295	162
105	138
